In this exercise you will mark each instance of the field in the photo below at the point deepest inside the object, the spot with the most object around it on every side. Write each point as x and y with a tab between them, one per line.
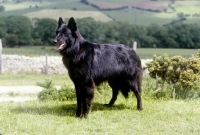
55	14
139	11
166	117
50	50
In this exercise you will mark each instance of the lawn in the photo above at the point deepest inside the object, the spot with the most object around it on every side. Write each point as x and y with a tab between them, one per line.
166	117
55	117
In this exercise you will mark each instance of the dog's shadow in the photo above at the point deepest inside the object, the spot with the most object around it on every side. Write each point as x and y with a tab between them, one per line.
64	109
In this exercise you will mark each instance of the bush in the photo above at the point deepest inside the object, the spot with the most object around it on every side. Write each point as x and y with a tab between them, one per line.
11	40
66	93
49	92
183	75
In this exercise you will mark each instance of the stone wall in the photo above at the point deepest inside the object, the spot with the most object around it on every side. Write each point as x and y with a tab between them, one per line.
19	64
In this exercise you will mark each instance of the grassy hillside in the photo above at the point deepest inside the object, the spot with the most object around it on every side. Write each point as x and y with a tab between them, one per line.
142	12
55	14
40	10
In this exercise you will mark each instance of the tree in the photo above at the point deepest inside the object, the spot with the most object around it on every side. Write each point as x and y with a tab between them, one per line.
3	27
44	29
159	35
111	32
2	8
20	26
11	40
90	29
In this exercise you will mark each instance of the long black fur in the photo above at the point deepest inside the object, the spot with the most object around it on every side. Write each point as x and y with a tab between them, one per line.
90	64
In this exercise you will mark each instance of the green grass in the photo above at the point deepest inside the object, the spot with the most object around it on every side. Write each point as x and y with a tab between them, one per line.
158	117
98	16
32	51
24	5
142	17
31	79
143	52
166	117
149	52
191	6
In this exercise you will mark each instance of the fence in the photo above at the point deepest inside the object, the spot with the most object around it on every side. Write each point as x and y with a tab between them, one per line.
0	57
36	60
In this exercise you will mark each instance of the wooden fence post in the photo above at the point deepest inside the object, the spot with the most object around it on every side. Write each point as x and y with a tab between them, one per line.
46	66
134	45
1	47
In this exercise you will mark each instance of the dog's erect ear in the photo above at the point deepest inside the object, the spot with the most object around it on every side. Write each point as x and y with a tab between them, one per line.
60	22
72	24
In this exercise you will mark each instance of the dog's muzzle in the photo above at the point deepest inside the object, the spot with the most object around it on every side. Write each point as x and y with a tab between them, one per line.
61	46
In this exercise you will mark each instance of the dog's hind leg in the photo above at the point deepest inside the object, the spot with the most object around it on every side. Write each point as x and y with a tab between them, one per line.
137	91
115	91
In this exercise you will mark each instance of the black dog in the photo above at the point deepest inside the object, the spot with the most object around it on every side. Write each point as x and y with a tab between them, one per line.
90	64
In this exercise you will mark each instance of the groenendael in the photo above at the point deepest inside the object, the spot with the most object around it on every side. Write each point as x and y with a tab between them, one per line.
90	64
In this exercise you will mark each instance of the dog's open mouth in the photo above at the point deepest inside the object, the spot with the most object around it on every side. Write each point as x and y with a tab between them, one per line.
61	46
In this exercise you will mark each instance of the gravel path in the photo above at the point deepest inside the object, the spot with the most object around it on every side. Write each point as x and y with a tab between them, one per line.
18	93
20	89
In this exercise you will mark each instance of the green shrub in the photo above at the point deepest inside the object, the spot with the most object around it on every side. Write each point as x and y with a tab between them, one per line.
66	93
183	75
49	92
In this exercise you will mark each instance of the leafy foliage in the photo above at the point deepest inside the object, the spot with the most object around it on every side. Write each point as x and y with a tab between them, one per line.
49	92
20	26
12	40
44	29
2	8
182	74
66	93
42	32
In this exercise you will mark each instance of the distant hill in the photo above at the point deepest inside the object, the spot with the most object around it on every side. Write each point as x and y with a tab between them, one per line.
55	14
142	12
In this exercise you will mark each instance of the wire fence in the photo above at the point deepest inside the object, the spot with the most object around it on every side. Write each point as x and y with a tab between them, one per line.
35	51
31	52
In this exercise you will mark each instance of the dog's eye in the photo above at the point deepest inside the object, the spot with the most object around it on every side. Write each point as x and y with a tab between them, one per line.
65	33
57	32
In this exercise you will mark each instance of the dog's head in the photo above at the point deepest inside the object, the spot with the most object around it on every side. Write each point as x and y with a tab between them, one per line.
66	34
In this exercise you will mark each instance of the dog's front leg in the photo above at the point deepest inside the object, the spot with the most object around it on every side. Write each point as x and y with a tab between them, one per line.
78	98
85	94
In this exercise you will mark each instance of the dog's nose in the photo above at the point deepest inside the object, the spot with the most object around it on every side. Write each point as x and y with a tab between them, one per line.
55	41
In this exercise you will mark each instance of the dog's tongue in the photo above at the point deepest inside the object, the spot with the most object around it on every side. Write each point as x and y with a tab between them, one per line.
58	47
